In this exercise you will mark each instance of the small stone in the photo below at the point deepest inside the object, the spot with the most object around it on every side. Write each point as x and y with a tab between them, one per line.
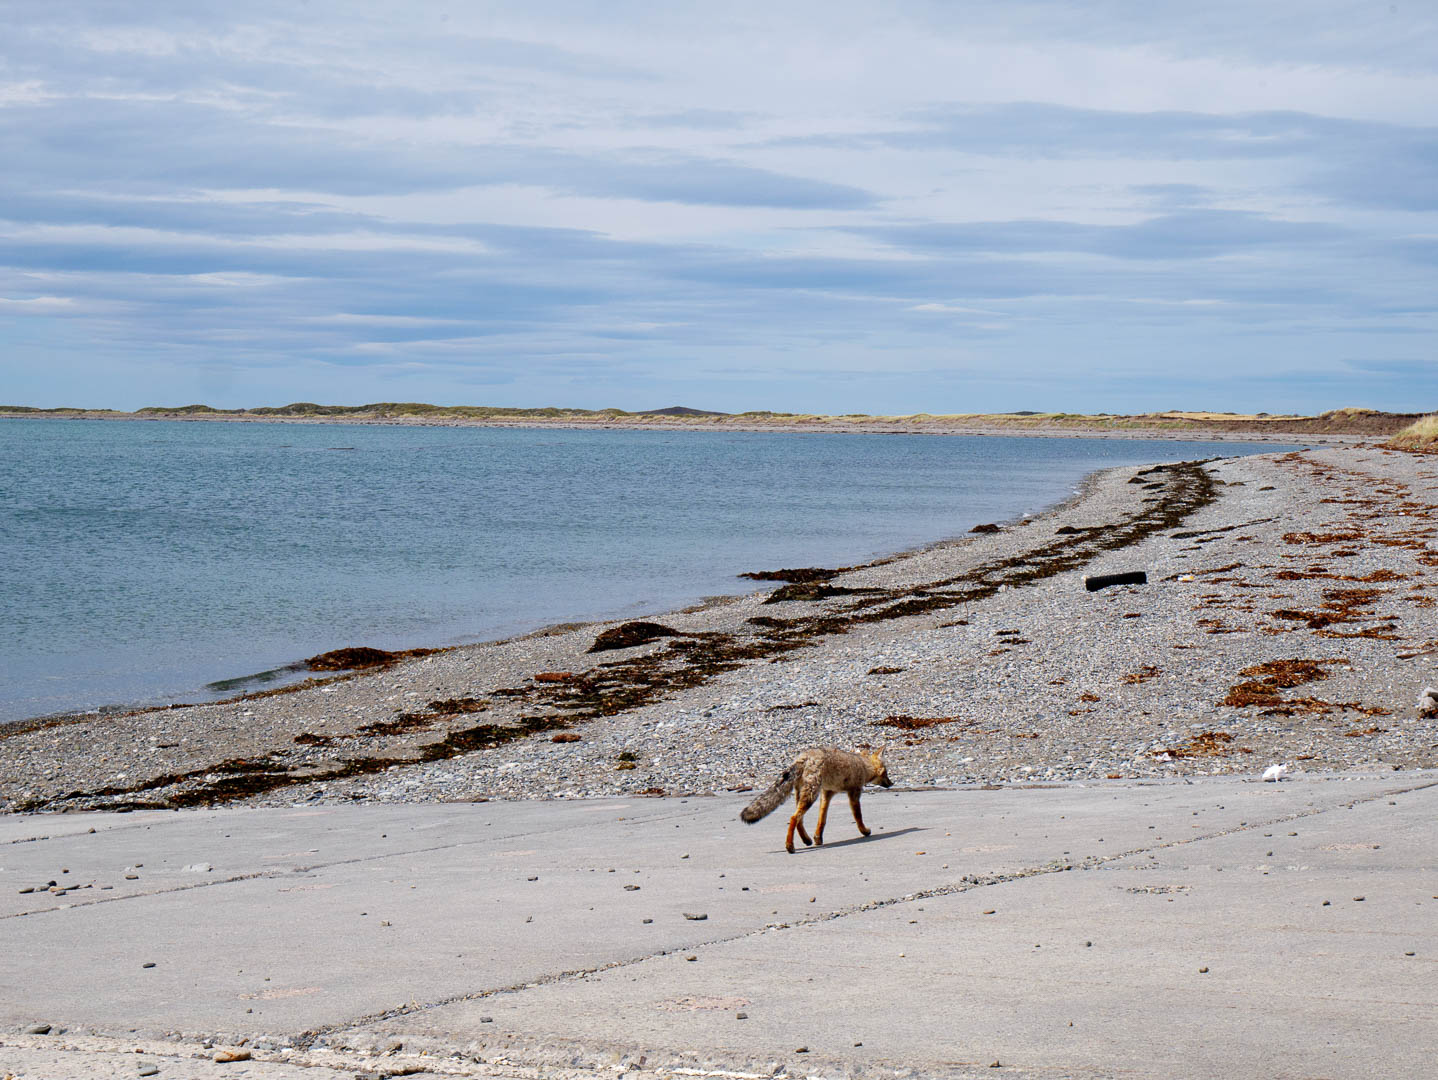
631	888
148	964
647	921
1325	903
691	959
1410	954
801	1049
132	877
231	1055
149	1070
27	889
990	911
696	916
1203	971
741	1016
38	1029
486	1019
1359	899
535	878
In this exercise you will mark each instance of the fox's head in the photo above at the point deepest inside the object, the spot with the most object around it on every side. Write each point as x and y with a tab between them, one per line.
881	773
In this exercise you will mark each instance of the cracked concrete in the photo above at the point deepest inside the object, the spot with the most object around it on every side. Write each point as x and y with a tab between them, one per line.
1129	928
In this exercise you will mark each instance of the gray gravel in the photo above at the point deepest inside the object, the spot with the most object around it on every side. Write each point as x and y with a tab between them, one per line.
1040	681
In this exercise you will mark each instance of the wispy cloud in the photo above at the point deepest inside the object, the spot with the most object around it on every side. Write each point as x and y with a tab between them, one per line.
815	206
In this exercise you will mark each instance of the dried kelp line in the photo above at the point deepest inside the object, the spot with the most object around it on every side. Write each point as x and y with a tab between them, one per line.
563	700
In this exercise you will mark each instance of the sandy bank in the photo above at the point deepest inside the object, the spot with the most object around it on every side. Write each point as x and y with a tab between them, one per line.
1289	616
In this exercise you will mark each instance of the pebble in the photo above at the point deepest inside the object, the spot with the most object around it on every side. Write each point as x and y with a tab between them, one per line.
149	1070
709	739
696	916
231	1055
38	1029
148	964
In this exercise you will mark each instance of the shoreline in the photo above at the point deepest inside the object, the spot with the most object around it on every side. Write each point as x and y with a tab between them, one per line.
1027	683
319	678
279	675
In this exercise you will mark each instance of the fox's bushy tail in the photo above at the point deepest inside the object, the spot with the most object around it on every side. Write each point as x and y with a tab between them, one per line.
768	802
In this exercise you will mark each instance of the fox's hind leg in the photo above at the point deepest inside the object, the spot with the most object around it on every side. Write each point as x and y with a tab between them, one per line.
858	817
797	822
823	815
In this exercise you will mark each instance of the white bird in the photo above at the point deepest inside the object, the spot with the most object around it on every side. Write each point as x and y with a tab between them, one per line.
1275	772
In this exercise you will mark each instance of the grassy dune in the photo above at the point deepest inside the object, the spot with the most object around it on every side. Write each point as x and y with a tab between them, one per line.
1422	435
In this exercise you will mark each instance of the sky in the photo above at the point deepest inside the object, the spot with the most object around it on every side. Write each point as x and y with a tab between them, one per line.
836	207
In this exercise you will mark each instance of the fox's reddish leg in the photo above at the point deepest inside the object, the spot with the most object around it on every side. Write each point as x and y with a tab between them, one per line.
823	816
797	822
858	817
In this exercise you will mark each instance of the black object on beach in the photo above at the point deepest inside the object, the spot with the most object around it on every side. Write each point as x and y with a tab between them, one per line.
1095	582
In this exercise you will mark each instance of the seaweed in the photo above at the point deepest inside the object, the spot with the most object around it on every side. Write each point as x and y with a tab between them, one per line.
361	656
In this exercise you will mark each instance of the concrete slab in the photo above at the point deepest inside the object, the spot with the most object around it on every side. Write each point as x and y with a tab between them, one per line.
973	926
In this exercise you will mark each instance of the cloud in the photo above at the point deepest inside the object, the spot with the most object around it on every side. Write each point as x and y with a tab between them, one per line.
1008	199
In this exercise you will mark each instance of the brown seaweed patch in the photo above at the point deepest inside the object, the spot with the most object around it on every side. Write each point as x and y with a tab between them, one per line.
1205	744
799	576
885	670
1321	538
630	634
360	656
917	723
1143	674
811	590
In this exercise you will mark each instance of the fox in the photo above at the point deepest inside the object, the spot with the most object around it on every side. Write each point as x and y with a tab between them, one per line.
818	773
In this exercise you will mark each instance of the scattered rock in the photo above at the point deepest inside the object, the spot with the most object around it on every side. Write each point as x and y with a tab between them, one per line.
38	1029
1095	582
564	736
149	1070
231	1055
989	528
696	916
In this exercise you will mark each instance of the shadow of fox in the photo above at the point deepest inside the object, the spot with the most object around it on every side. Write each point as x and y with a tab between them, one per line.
817	774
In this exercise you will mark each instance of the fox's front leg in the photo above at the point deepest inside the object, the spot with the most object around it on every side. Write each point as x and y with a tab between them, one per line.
823	815
797	822
858	817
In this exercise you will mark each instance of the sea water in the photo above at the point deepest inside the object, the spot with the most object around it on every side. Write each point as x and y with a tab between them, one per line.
142	562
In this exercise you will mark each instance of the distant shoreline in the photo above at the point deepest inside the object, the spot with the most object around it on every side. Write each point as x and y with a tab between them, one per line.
1340	426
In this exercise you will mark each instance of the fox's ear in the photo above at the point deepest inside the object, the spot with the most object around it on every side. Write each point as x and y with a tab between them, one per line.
879	753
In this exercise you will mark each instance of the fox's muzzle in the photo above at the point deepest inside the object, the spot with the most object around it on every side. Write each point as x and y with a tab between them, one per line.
886	782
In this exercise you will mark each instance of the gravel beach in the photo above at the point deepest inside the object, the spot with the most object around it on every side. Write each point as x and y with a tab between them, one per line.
1288	617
